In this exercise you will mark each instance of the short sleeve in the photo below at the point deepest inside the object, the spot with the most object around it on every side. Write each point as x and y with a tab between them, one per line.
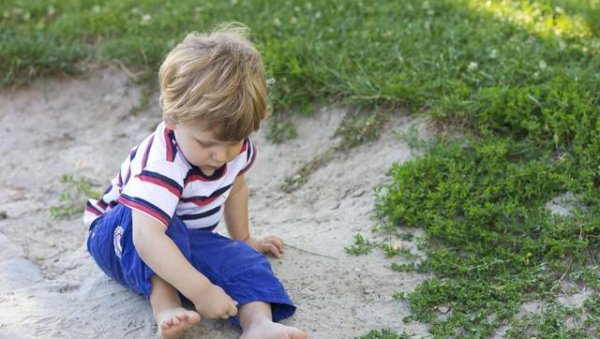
250	151
155	191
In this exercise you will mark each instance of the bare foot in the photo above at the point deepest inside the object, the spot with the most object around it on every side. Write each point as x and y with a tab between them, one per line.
173	322
271	330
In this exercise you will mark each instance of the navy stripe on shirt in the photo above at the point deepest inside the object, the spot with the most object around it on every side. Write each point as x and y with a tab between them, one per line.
161	180
203	198
200	215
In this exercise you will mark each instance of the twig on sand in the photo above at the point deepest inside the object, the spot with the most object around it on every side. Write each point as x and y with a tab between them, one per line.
309	252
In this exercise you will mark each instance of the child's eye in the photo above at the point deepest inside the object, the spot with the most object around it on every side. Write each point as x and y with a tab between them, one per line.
204	144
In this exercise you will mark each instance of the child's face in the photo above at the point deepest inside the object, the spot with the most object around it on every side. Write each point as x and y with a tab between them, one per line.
202	149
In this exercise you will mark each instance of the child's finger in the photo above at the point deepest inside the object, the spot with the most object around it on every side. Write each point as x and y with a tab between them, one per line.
232	312
273	249
277	242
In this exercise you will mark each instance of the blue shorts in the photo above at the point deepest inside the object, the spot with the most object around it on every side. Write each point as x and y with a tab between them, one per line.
241	271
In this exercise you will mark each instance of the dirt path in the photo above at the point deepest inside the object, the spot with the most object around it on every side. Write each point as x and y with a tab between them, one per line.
49	287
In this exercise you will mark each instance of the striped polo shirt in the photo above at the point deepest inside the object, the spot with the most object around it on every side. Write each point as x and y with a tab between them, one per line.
157	179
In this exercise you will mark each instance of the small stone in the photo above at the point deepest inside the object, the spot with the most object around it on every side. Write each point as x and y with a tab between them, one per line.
444	309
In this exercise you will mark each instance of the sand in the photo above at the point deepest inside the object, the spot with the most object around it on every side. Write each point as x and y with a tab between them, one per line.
50	287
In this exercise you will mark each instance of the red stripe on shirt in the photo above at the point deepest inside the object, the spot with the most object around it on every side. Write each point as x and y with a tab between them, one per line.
200	202
160	183
92	210
169	146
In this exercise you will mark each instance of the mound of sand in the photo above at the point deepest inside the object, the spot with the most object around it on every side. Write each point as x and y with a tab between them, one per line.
50	287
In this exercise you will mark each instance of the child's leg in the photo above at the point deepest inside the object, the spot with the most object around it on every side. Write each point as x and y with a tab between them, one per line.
110	243
171	318
243	273
257	322
247	277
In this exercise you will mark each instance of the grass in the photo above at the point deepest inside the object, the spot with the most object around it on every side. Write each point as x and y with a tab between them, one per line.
519	78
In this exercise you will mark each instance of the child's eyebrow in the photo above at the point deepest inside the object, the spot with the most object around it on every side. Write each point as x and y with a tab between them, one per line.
211	141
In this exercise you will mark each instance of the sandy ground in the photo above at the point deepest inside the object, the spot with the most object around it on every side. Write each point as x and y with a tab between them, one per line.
50	287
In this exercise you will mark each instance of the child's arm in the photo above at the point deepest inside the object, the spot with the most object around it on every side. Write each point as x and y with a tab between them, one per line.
236	218
161	254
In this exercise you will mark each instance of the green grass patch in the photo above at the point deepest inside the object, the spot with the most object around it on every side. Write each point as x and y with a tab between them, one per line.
490	240
525	89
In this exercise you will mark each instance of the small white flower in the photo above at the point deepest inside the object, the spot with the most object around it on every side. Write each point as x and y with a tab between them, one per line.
145	19
96	9
472	66
536	75
431	12
542	65
51	10
293	20
270	82
318	15
493	53
277	22
559	10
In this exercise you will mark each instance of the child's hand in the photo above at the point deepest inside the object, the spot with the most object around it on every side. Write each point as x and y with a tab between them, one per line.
214	303
268	245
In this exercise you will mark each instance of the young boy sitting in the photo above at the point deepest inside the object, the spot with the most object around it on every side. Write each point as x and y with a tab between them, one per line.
152	230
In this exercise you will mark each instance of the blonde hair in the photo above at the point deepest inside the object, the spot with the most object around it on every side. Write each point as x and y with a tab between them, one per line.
216	79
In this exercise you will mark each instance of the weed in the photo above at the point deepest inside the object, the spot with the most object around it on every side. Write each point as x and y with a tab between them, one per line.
550	323
148	85
72	199
411	137
279	131
293	182
403	267
354	130
360	246
358	128
385	334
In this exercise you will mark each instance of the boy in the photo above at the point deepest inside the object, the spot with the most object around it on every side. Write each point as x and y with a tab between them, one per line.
152	229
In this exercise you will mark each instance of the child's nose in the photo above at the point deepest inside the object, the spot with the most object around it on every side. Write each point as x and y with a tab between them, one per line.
223	154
